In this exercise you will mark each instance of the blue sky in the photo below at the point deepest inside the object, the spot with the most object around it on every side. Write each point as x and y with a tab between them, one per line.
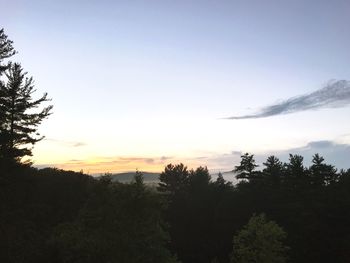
137	84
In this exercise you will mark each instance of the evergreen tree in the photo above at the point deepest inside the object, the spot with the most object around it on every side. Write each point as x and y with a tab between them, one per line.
297	174
18	129
296	167
220	181
174	178
138	179
6	50
322	173
273	169
199	177
246	168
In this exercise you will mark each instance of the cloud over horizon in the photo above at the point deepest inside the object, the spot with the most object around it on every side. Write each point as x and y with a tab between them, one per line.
334	152
335	94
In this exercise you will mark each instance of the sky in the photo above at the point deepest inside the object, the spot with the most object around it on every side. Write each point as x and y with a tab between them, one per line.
139	84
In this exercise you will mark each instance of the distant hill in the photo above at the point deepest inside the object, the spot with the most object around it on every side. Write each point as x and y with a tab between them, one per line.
148	178
153	178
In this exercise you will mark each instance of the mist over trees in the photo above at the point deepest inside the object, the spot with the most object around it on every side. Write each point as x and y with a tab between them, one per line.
280	212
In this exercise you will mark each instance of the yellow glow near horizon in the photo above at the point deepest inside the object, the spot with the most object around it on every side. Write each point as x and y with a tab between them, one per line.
125	164
96	167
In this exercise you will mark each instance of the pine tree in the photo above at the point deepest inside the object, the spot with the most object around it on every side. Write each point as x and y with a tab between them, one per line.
18	129
6	50
246	167
273	169
322	173
220	181
174	178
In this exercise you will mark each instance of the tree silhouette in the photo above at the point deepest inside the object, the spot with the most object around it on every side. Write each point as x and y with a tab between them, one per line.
199	177
221	182
18	118
296	166
273	169
297	175
6	50
138	179
321	173
174	178
20	121
246	168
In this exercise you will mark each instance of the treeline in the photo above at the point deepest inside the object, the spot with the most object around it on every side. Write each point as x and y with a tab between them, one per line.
311	204
58	216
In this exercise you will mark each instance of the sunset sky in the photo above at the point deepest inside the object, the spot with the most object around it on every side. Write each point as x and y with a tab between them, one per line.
139	84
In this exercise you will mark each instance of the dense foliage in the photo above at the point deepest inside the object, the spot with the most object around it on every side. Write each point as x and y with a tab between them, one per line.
51	215
259	241
312	205
58	216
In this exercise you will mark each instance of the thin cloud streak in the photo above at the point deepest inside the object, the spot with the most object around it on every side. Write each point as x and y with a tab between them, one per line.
66	143
335	94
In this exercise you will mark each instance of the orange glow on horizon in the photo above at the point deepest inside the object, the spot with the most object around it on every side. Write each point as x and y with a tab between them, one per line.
130	164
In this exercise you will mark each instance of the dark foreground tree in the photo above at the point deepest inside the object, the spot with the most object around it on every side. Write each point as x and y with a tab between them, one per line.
6	51
259	241
20	120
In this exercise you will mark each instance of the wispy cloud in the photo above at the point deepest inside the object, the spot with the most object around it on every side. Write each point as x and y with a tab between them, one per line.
66	143
334	95
78	144
165	158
